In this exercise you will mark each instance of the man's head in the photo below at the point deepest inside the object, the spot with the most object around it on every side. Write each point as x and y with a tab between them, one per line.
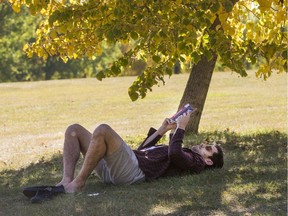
212	154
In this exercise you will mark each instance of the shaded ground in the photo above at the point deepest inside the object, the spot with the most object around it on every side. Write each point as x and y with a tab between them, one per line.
252	182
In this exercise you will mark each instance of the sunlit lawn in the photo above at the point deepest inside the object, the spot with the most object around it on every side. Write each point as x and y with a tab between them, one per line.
248	115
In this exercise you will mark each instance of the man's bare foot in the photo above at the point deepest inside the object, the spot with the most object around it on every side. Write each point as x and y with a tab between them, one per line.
74	186
64	182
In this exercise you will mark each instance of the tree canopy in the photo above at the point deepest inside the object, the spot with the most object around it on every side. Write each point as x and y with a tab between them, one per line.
163	32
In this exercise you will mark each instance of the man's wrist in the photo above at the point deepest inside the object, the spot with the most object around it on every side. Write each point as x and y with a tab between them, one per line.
162	131
179	131
181	127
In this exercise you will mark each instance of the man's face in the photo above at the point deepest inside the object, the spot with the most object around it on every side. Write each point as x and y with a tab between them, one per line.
205	150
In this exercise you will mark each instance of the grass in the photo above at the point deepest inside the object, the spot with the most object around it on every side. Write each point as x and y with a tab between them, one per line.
248	115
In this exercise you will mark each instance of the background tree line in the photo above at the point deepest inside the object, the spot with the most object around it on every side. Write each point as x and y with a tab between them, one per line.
16	29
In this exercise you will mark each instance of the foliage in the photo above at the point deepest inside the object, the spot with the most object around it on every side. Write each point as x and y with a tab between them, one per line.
17	29
163	32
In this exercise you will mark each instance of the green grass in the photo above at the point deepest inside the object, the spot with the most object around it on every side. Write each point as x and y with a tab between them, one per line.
248	115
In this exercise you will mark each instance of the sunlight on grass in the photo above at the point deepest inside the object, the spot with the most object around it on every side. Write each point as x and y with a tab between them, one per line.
35	115
160	209
248	116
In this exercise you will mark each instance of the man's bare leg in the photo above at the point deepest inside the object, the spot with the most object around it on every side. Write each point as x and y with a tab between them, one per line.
77	140
104	141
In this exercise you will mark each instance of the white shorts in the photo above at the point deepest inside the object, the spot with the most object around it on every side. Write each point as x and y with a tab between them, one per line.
120	168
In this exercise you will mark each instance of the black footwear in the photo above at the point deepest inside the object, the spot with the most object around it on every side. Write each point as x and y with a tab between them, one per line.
32	191
42	195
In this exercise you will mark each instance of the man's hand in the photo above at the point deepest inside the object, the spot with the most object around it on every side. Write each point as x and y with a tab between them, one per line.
183	120
166	126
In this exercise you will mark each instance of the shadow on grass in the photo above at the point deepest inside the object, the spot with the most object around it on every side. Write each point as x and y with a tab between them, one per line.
253	181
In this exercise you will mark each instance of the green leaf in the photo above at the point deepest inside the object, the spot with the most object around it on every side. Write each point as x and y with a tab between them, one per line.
186	21
169	71
115	69
195	57
156	58
182	46
175	19
124	62
215	7
285	54
143	93
180	11
162	34
116	32
228	5
100	75
207	54
132	93
134	35
53	17
182	59
205	38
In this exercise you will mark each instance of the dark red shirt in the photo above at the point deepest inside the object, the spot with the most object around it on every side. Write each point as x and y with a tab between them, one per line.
167	160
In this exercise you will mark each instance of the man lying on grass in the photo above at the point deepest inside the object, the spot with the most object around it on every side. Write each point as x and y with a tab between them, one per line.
115	162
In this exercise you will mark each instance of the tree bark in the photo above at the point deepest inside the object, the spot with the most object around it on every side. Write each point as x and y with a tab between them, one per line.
196	90
49	68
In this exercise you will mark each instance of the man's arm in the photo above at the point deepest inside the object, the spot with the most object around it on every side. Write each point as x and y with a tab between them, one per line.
166	126
175	144
176	154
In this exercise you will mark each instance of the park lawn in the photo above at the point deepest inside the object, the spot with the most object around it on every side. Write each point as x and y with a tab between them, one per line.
248	115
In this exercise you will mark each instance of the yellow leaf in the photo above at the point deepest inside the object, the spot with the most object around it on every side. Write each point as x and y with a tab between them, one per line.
70	52
53	34
62	29
16	7
223	17
45	56
227	27
218	27
280	16
64	58
212	18
264	4
263	71
25	47
30	54
99	50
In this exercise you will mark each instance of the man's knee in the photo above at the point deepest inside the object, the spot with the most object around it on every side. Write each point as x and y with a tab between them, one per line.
105	134
101	130
72	130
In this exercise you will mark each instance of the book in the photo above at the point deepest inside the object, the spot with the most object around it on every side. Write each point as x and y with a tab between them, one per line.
186	109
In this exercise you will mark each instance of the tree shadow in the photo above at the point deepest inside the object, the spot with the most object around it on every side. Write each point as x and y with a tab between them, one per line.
253	181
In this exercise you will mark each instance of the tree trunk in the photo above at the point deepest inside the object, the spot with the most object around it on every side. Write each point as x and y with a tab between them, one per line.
196	90
49	68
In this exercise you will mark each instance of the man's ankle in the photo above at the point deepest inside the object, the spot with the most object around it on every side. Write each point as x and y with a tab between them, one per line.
80	181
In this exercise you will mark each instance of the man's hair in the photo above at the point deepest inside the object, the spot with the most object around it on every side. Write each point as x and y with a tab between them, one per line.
217	158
